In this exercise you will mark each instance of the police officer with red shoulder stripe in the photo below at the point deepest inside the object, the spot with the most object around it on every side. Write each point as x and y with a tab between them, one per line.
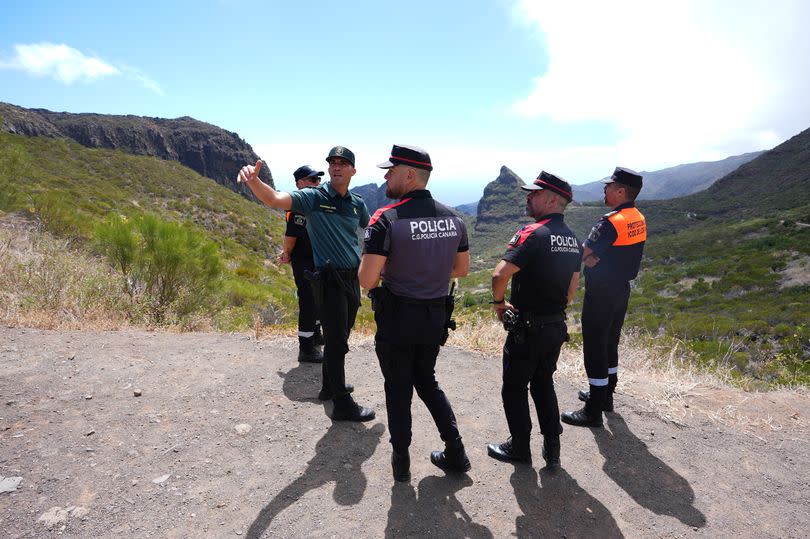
415	245
542	261
612	257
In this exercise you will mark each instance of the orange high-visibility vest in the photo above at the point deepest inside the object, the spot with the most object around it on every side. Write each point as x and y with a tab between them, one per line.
631	228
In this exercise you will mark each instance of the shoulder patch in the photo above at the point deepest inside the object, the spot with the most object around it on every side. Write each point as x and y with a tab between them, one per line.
523	234
299	220
379	212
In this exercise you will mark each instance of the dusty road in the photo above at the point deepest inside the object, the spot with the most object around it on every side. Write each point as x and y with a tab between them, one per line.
227	440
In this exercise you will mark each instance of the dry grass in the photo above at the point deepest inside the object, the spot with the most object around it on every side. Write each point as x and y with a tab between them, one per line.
659	374
48	283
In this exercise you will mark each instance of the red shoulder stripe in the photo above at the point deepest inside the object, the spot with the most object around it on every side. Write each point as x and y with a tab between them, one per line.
380	211
521	235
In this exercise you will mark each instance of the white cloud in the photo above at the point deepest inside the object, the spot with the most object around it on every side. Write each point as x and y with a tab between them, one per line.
68	65
681	81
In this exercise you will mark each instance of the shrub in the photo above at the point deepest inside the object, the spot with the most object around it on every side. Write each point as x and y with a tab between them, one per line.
166	267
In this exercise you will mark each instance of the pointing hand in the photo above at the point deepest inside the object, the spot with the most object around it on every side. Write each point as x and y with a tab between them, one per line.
249	173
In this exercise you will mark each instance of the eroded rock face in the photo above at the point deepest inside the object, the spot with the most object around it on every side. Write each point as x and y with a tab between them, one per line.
503	201
205	148
373	196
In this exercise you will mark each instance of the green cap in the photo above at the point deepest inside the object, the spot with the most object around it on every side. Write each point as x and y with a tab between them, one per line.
341	151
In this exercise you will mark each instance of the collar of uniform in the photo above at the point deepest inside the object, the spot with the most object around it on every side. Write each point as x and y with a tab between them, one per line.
621	207
334	194
419	193
550	216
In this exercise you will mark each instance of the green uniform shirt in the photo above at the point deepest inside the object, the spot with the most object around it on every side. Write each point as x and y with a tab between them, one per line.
332	223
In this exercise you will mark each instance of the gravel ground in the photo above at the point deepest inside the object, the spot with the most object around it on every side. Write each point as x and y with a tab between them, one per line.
227	439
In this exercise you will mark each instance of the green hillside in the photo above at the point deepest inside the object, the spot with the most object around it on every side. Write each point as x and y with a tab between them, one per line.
726	270
70	189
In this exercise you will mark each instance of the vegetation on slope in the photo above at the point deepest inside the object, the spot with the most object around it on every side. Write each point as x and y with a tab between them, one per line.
70	190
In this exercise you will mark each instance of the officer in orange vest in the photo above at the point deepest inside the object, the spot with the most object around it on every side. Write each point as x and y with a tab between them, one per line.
612	257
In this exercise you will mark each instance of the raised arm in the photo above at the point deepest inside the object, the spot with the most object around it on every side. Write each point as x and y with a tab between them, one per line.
275	199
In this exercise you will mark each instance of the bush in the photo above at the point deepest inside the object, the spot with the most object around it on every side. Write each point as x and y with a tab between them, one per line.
166	268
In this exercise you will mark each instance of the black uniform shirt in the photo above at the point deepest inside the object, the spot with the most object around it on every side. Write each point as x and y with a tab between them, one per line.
421	238
548	254
619	251
297	228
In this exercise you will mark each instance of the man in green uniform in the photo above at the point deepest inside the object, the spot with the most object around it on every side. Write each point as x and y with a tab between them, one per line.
333	216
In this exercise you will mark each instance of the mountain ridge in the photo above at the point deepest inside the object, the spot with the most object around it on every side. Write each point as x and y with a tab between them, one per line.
207	149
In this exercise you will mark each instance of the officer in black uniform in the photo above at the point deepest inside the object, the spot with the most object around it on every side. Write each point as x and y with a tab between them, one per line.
612	259
416	245
297	251
543	261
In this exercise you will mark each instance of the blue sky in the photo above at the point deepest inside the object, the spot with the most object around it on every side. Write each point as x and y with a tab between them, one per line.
572	88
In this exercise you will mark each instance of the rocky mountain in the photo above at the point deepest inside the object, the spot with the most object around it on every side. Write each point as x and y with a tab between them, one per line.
503	202
673	181
207	149
468	209
373	195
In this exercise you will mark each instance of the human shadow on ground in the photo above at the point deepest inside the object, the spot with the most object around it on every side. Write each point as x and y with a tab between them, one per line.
432	510
338	458
302	382
558	506
645	477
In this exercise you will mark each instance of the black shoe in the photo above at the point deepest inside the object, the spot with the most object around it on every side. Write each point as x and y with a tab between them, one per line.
508	452
401	464
352	412
551	451
325	394
315	356
584	394
582	418
452	459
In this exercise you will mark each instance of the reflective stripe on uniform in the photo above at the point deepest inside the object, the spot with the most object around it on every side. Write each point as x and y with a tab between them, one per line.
306	334
631	228
599	382
613	370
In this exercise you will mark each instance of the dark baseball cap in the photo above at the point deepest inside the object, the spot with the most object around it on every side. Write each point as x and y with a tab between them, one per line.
341	151
625	176
408	155
546	180
306	172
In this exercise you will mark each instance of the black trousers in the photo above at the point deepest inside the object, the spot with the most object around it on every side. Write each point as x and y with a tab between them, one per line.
307	310
407	345
603	311
532	363
339	299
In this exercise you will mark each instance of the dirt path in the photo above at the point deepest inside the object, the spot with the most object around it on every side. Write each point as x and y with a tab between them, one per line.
227	440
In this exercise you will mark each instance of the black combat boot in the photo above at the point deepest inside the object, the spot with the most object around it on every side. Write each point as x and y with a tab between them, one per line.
348	410
511	451
591	414
401	465
325	394
308	352
608	406
551	451
453	458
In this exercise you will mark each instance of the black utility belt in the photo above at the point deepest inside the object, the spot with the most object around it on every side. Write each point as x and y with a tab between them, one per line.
345	273
531	319
418	301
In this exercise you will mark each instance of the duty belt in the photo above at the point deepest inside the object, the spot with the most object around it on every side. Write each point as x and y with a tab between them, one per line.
417	301
344	273
531	319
